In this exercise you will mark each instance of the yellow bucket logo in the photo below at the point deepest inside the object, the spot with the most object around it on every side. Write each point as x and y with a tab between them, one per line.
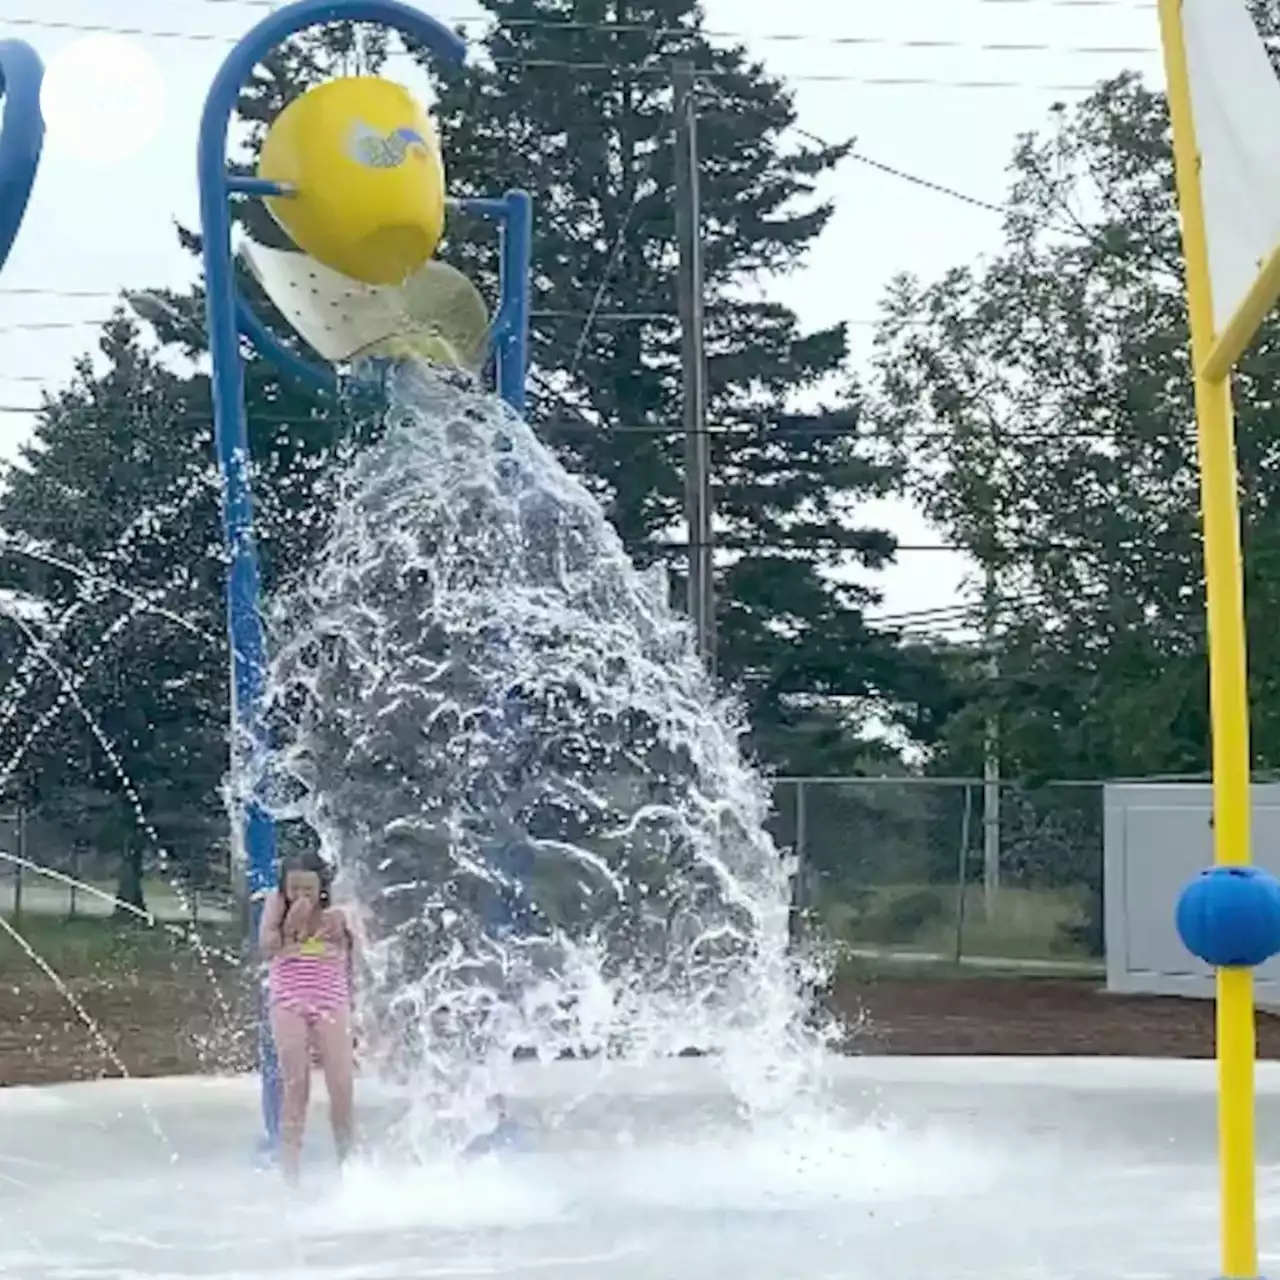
375	150
368	183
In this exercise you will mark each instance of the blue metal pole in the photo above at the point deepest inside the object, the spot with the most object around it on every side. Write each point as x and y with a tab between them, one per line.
512	358
21	136
480	206
246	186
244	623
316	379
517	255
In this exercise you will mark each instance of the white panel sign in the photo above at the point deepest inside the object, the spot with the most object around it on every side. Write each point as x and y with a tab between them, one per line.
1236	103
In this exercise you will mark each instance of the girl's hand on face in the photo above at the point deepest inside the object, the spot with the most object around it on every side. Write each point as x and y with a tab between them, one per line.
298	918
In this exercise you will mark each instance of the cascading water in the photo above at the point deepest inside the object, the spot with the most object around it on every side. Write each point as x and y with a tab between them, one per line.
502	735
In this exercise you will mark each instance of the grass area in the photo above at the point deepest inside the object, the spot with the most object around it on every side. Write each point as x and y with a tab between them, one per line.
104	947
162	889
43	895
137	1001
857	969
903	931
1027	924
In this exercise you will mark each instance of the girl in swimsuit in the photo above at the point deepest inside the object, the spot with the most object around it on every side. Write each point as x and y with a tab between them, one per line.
310	945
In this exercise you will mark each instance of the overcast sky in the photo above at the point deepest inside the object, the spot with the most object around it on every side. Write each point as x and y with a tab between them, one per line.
937	88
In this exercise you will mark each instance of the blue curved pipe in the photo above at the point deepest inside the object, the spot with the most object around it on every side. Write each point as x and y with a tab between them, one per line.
311	377
21	136
229	317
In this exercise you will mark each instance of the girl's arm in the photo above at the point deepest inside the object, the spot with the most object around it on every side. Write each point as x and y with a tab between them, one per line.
349	920
271	929
341	925
355	930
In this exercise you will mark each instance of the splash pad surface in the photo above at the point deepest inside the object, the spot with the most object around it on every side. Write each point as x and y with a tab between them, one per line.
1013	1167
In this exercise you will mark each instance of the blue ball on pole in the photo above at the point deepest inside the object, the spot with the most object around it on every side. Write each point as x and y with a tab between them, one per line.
1229	917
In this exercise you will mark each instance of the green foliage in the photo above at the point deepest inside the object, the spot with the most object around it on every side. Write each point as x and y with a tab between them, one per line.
903	917
112	507
113	518
580	114
1046	400
119	482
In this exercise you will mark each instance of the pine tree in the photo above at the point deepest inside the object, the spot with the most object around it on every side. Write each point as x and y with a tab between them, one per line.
575	106
111	520
595	148
119	483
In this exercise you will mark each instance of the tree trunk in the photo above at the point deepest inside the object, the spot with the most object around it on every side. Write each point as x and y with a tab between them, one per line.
129	886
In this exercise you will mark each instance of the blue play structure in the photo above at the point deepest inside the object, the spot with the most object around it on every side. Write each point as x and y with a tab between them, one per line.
21	136
229	317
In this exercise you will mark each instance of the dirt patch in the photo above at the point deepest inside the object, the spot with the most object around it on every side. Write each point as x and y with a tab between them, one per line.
167	1024
1029	1016
145	1026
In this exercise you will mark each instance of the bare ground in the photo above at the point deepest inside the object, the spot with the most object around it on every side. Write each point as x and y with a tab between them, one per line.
147	1026
1008	1015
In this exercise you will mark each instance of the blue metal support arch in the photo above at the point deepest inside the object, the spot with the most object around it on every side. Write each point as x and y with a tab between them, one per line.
229	317
21	136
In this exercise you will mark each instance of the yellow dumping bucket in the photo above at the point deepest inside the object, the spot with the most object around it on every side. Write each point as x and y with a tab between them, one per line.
363	163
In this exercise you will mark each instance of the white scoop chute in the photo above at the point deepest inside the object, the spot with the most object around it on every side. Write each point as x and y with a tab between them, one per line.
437	313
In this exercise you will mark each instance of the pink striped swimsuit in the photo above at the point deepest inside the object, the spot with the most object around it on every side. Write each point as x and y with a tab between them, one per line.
312	982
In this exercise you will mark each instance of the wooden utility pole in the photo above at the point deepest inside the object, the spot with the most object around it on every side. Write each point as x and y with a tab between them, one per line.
698	507
991	755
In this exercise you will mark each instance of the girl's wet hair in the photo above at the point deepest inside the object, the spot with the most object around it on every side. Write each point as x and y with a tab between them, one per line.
308	861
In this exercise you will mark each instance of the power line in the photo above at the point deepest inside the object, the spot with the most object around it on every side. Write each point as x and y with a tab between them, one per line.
939	188
764	433
917	623
1146	5
920	44
57	293
1037	547
609	317
55	518
612	317
925	44
100	295
610	68
512	23
617	250
915	179
937	614
553	22
36	326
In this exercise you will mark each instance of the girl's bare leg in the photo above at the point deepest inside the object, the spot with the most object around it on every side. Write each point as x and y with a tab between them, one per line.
293	1049
337	1061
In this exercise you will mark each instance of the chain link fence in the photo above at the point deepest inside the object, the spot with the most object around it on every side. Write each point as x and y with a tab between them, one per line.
948	870
43	875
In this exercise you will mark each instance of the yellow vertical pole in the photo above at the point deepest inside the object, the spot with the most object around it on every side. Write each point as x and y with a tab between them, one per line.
1228	681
